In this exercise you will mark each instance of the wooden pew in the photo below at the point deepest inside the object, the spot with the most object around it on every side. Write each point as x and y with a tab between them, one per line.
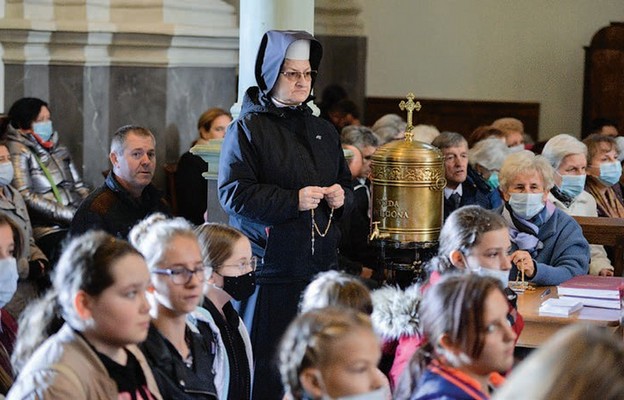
607	232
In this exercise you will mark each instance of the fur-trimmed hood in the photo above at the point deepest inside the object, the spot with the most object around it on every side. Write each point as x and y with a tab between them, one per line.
395	312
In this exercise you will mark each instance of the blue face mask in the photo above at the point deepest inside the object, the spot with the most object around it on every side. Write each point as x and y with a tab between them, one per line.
526	205
8	279
493	180
43	130
610	173
572	185
6	173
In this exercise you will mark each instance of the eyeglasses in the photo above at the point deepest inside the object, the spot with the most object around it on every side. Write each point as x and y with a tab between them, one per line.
294	76
182	275
243	266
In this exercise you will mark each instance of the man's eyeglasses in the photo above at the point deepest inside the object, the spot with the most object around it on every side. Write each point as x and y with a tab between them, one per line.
246	266
182	275
294	76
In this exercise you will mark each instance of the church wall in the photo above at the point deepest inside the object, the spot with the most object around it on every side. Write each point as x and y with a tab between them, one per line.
486	50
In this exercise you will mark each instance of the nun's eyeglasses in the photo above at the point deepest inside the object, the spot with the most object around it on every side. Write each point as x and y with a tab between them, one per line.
294	76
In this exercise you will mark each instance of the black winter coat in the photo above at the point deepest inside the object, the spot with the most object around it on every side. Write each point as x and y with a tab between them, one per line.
268	154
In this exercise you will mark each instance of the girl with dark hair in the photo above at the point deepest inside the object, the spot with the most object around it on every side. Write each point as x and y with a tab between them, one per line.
468	341
98	301
228	253
182	358
473	240
44	172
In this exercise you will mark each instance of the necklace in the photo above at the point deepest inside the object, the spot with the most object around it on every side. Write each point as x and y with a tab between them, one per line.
316	228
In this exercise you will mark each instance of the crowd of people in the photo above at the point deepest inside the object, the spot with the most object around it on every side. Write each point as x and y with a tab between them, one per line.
106	294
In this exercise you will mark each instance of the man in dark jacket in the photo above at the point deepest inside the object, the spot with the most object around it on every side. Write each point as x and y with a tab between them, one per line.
463	185
284	181
127	195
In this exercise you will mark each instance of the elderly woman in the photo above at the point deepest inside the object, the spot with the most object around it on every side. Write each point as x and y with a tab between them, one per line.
549	247
388	128
568	156
604	171
487	157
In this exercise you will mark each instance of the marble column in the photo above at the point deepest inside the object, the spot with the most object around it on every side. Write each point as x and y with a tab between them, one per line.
340	28
259	16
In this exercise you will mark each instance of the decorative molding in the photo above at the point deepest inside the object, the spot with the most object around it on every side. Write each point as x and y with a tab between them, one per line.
402	174
338	18
158	33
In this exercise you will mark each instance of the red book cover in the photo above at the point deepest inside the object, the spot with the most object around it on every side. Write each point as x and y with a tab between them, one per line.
602	287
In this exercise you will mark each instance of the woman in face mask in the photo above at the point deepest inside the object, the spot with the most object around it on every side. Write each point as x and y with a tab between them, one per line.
44	172
468	341
568	156
180	356
549	247
32	264
331	353
228	253
472	240
10	244
486	157
603	172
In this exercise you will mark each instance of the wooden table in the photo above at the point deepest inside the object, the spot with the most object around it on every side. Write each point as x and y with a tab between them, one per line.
538	328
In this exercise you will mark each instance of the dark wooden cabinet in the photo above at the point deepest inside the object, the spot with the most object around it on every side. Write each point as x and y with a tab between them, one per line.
603	90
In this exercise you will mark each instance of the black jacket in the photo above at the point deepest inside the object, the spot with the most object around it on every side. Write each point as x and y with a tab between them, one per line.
475	191
175	380
112	209
191	188
268	155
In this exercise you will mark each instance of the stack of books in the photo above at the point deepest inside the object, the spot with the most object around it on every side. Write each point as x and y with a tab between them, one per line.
560	307
594	291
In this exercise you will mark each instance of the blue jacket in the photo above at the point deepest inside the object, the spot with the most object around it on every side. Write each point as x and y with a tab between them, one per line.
475	191
565	252
441	383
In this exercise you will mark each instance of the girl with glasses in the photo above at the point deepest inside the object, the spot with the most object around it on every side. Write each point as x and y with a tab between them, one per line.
98	300
228	252
181	357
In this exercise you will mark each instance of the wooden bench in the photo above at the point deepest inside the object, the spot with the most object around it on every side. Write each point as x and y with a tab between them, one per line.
607	232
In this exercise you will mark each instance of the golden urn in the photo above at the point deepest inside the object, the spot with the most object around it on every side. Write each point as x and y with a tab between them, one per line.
407	185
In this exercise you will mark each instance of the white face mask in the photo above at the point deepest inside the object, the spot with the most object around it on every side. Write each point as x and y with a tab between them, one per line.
526	205
502	276
8	279
383	393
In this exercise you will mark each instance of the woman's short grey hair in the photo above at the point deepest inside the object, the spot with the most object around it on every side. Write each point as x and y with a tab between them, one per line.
559	147
389	127
489	153
425	133
153	235
358	136
525	162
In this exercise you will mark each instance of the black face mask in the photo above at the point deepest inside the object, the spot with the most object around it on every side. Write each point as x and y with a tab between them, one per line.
240	287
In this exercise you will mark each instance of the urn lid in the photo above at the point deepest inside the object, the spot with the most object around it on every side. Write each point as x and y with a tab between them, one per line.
408	150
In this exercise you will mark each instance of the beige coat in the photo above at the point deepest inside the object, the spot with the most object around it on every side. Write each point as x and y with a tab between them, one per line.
65	367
